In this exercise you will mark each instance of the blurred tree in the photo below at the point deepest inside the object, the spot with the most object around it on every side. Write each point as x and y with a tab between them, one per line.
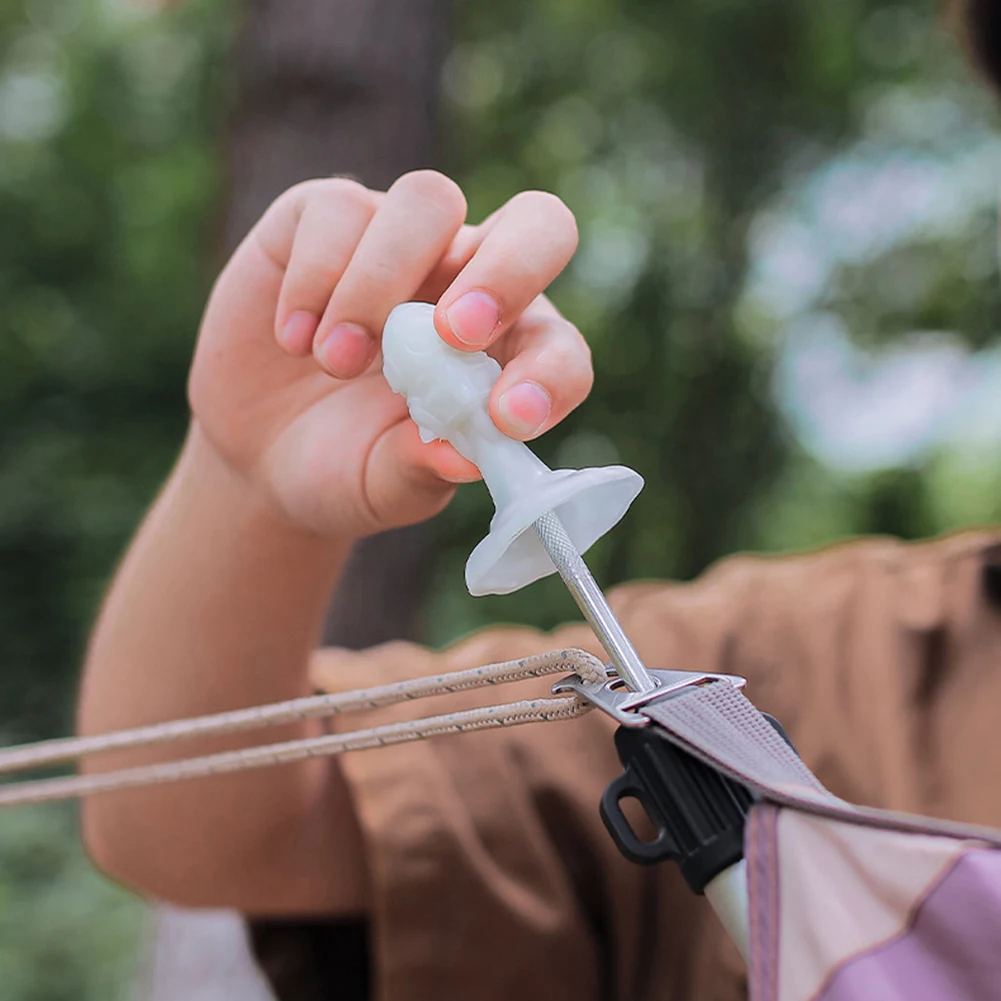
340	87
107	178
65	933
678	133
330	87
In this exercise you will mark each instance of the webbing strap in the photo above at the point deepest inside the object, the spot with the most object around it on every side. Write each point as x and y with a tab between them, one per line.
720	727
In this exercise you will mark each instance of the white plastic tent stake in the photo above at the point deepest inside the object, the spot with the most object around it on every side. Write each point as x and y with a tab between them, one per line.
448	393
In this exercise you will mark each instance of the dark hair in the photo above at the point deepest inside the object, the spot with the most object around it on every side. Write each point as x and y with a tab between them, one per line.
981	22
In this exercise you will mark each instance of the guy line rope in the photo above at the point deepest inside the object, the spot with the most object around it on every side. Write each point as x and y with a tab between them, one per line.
51	752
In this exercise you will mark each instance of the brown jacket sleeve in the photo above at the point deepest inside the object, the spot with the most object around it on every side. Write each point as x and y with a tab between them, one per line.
493	877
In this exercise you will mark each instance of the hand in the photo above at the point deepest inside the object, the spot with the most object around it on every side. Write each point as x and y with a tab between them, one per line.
287	384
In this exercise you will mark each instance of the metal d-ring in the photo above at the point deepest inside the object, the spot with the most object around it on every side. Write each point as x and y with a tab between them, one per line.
614	698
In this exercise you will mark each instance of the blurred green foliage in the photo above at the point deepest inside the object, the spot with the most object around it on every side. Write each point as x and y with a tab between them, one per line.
692	139
681	134
109	123
65	933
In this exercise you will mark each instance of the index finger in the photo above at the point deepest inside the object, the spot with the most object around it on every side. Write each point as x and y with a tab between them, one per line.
529	243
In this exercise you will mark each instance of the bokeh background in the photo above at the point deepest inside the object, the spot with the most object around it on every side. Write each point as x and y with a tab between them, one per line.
788	274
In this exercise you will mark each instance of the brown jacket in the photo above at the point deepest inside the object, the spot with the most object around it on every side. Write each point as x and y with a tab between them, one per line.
493	877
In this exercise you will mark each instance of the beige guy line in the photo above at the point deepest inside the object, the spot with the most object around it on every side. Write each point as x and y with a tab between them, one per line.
50	752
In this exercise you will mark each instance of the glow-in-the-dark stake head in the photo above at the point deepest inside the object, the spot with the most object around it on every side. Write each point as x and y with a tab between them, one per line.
448	392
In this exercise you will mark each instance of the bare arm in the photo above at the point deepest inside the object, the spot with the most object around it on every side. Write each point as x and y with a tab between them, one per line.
217	605
298	446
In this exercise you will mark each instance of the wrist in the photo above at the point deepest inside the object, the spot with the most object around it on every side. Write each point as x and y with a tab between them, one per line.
204	477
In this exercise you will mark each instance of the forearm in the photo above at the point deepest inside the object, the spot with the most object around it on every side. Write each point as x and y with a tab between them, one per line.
216	606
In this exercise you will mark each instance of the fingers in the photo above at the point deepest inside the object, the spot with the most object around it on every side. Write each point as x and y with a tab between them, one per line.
351	255
440	458
331	224
412	229
524	248
459	253
548	373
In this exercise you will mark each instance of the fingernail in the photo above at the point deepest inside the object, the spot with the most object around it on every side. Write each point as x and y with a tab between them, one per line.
346	350
473	318
458	478
525	408
297	334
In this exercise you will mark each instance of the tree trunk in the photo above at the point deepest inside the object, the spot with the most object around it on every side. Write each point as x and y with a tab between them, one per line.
331	87
340	87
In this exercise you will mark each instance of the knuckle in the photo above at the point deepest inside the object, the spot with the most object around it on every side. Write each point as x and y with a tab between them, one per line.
324	189
298	195
279	227
309	284
345	189
570	355
434	187
556	214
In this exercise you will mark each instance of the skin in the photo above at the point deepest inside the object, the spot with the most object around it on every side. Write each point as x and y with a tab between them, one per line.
296	448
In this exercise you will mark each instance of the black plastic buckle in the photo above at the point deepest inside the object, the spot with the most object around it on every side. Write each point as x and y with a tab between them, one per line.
699	814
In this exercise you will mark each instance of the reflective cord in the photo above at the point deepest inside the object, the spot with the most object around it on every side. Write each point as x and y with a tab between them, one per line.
489	717
579	662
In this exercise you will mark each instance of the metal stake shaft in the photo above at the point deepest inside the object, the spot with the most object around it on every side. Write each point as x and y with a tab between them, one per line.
591	601
727	893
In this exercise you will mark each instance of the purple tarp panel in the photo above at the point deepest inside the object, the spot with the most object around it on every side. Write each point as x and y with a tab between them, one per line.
844	912
951	949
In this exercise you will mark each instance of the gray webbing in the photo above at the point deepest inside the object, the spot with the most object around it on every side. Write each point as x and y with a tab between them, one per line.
718	725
